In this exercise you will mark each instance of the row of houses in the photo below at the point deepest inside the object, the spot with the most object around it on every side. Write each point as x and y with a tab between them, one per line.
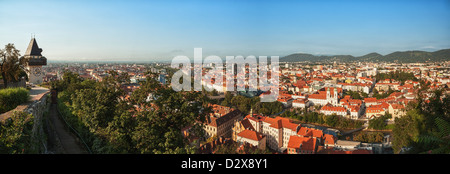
332	101
282	135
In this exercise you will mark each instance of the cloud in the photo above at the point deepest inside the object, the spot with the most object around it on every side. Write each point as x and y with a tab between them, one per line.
429	47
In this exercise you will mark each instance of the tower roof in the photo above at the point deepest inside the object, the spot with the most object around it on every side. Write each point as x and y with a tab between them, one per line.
33	49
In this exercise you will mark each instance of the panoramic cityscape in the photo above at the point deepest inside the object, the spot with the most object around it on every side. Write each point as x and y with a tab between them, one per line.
225	77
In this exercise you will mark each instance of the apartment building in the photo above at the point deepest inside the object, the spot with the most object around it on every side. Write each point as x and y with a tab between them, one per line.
277	130
220	123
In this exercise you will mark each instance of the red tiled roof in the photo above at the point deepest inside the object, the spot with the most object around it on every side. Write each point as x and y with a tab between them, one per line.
307	132
280	122
333	108
370	100
304	131
329	139
354	108
397	106
317	133
374	110
252	135
304	143
299	100
318	96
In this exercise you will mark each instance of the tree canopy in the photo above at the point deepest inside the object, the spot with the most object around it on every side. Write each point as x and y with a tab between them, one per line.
424	128
396	75
11	65
114	123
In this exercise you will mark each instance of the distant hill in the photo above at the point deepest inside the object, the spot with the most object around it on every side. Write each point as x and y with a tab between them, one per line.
400	56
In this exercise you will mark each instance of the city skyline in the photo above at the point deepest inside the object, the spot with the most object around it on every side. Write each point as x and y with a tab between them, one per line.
155	31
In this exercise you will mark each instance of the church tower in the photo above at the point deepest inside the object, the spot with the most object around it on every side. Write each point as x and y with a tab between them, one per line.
335	96
35	61
328	94
335	93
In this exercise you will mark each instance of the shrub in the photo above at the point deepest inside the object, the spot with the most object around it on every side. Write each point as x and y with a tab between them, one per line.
16	134
10	98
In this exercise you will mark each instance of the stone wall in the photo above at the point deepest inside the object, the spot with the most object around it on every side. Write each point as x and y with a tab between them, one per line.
38	107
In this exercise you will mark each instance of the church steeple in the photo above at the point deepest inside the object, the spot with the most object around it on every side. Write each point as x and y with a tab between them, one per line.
328	93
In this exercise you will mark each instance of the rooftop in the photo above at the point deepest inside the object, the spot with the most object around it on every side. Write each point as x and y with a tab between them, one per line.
33	49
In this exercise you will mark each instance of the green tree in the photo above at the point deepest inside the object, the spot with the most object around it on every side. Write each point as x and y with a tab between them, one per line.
96	107
227	100
380	122
406	129
11	66
332	120
16	134
437	142
120	131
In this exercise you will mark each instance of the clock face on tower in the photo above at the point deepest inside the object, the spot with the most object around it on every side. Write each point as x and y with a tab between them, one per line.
37	71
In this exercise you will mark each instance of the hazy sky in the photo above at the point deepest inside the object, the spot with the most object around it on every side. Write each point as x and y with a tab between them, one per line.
160	30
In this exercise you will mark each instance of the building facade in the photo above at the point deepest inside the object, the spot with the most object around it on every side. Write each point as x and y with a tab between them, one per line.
221	122
34	63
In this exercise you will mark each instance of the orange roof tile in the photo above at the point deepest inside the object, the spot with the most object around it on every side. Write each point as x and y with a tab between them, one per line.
252	135
333	108
304	131
370	100
303	143
329	139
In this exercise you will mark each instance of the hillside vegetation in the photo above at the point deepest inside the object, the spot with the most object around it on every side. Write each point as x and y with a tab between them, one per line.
399	56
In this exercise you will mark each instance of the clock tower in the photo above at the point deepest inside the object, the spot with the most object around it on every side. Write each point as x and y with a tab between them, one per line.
34	64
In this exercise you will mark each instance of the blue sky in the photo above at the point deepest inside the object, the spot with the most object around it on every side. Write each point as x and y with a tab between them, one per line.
160	30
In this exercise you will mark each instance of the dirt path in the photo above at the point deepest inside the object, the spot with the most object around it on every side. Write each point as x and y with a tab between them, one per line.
67	140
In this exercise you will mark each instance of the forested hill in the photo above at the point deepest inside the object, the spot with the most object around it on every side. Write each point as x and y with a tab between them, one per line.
400	56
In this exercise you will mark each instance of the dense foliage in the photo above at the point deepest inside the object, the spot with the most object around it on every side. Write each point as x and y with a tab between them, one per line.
397	75
16	134
11	65
382	95
405	57
380	122
112	123
356	94
10	98
254	104
425	127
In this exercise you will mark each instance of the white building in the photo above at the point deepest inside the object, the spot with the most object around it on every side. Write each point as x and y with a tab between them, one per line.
277	130
300	103
329	110
323	98
252	137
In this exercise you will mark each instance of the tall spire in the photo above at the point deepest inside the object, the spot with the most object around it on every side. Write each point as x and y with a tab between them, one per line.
33	54
33	48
